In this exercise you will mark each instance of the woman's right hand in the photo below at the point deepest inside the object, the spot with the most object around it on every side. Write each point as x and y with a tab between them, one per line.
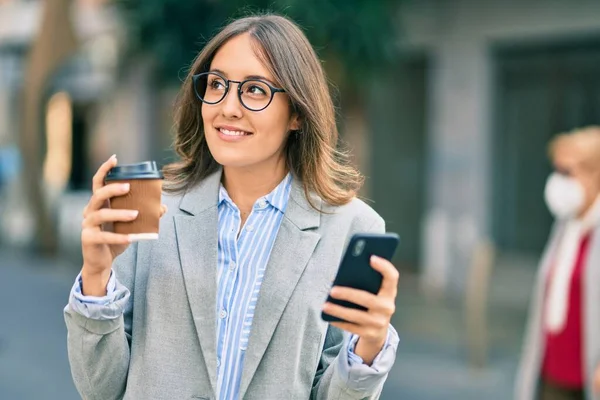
100	247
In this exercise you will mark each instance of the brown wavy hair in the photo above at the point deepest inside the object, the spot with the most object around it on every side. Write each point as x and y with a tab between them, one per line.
312	154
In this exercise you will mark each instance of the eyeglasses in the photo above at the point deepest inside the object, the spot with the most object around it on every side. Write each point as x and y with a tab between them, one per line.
254	94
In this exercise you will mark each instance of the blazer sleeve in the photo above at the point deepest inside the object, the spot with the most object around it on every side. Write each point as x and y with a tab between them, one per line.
330	382
99	349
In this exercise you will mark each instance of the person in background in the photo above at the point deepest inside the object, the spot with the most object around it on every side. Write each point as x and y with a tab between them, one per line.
561	353
227	303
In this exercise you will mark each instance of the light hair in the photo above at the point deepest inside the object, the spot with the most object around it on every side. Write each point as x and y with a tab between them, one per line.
586	140
311	153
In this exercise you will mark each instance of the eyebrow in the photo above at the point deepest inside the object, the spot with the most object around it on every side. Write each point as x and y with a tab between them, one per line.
247	77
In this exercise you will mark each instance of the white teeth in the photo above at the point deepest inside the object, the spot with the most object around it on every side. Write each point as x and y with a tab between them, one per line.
232	133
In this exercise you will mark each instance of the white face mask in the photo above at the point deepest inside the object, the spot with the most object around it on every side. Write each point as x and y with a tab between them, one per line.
564	196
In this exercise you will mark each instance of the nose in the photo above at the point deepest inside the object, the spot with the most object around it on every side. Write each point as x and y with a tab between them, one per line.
231	106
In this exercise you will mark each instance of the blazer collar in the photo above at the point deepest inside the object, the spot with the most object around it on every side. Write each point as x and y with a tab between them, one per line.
203	195
301	213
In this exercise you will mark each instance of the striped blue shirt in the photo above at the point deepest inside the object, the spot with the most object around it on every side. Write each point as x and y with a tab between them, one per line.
242	259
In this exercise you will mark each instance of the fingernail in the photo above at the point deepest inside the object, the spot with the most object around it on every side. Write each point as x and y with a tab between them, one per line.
125	186
134	213
113	157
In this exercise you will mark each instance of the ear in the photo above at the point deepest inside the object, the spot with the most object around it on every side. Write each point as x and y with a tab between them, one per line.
295	122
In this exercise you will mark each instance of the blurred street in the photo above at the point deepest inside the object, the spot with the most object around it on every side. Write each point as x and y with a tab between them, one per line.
431	359
33	342
447	108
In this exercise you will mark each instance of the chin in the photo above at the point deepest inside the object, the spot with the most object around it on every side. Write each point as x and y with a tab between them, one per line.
227	159
239	156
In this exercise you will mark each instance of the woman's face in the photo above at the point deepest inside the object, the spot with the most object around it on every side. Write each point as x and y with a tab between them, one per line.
236	136
573	160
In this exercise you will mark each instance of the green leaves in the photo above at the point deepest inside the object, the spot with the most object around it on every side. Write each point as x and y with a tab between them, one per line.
359	35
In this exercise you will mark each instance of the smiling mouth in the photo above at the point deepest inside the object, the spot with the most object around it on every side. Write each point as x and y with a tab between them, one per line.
227	132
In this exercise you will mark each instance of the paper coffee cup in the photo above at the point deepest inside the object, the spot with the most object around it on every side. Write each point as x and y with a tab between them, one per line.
145	180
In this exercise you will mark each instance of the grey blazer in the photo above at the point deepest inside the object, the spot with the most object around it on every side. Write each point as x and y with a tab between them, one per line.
164	345
528	375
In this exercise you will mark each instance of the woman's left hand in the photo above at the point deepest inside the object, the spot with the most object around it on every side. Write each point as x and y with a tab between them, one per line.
371	325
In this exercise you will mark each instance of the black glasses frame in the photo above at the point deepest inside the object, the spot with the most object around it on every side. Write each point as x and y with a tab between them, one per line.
197	77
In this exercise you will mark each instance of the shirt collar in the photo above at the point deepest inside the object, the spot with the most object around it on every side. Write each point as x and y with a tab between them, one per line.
278	197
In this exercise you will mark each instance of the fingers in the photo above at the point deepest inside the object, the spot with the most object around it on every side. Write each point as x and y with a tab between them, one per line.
95	237
365	333
389	286
98	180
360	297
363	298
357	317
106	215
367	326
372	324
100	196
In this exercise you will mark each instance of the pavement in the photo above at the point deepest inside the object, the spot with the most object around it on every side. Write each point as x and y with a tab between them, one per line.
33	351
431	362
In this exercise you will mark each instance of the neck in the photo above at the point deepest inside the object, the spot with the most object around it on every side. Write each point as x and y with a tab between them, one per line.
247	184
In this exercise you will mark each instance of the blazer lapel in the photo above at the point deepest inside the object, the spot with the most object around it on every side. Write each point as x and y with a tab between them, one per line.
197	235
291	252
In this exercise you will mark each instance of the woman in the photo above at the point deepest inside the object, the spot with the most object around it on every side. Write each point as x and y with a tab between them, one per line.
227	303
562	344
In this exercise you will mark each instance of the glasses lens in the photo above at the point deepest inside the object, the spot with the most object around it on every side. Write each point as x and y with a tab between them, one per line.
210	87
256	95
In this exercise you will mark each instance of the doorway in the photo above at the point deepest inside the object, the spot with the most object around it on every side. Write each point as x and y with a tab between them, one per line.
541	91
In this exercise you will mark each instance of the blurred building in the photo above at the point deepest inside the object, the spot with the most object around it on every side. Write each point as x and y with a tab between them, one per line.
460	128
452	138
92	108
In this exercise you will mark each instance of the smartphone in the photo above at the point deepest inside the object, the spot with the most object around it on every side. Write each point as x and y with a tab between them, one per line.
355	269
